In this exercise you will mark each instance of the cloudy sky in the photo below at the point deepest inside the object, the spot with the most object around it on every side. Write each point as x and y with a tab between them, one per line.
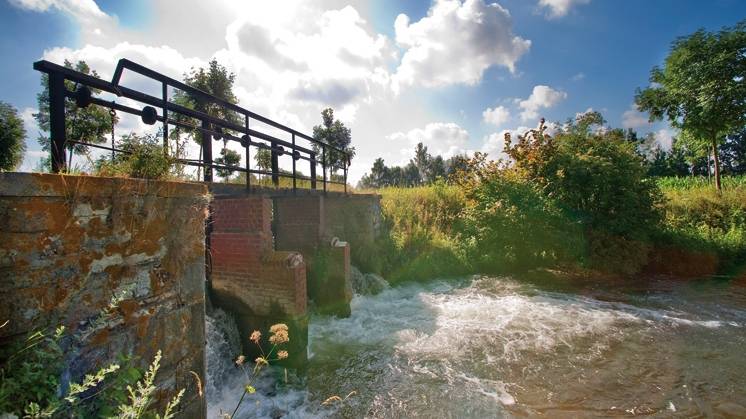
453	74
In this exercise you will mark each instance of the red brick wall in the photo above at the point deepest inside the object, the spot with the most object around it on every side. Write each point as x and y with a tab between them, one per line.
244	264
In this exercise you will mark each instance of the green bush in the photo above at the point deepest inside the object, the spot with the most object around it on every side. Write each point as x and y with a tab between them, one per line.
142	157
511	225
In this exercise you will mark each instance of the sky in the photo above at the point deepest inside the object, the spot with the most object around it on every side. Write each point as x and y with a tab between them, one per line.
455	75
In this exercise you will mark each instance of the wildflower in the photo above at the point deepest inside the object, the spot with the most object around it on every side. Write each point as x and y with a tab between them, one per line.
240	360
279	337
277	327
282	354
261	361
255	336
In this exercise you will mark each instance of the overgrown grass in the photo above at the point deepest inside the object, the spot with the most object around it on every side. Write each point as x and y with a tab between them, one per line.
422	240
426	224
699	218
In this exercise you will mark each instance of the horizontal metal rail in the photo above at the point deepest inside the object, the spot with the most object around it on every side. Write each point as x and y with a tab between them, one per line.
209	126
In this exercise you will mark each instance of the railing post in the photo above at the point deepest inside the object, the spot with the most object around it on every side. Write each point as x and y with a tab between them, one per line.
248	153
165	118
207	151
57	121
293	136
275	165
313	171
323	165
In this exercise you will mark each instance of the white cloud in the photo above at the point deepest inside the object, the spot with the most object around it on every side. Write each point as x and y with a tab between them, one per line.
496	116
633	118
559	8
542	97
456	42
441	138
578	77
664	138
292	61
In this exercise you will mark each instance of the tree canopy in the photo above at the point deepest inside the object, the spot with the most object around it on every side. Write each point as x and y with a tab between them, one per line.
336	134
12	137
700	89
91	124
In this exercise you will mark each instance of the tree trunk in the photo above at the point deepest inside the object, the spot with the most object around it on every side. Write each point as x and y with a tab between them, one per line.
717	165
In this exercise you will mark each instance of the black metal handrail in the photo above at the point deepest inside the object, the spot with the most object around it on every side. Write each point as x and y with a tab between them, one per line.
210	127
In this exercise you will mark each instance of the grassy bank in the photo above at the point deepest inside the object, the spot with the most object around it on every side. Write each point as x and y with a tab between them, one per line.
697	218
427	231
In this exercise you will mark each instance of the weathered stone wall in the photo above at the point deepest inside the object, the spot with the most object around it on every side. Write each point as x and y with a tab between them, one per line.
70	246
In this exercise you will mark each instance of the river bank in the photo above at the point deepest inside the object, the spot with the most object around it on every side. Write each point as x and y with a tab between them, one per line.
701	233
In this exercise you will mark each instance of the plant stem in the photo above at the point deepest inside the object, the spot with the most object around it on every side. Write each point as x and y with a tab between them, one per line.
239	404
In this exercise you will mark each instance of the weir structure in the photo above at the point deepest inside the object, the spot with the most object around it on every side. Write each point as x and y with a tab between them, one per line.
269	253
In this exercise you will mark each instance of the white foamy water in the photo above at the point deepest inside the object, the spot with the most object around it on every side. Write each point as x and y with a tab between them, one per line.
488	347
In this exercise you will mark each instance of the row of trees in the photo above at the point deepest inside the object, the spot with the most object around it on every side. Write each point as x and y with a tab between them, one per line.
422	169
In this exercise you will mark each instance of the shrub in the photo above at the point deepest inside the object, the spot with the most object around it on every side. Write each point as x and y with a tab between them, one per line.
510	225
142	157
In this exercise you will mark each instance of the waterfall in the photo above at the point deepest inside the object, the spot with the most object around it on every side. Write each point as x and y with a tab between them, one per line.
223	346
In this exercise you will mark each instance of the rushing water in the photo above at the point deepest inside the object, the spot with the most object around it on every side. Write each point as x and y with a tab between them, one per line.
498	347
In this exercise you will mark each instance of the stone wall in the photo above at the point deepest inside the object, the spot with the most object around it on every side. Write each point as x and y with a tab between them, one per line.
71	246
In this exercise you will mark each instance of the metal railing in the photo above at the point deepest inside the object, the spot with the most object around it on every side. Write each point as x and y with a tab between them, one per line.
209	127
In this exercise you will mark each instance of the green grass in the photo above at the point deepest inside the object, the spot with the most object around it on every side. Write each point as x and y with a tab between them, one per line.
423	226
699	182
698	217
422	240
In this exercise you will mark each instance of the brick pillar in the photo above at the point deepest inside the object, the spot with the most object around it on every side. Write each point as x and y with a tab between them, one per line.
258	285
300	225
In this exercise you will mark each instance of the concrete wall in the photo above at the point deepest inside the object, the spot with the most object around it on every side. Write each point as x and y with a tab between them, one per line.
70	245
355	219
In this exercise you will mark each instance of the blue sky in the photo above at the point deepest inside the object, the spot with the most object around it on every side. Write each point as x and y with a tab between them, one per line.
428	77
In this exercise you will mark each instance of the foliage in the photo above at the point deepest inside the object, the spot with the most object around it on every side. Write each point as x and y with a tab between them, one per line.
91	124
12	137
263	159
421	233
700	88
215	80
141	396
336	134
227	157
598	178
511	224
31	384
423	169
699	218
141	157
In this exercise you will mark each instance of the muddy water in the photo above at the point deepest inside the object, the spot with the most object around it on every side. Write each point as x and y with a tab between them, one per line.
498	347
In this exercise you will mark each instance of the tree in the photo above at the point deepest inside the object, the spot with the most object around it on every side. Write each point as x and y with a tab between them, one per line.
701	87
437	168
263	158
733	153
12	137
227	157
422	162
91	124
336	134
216	80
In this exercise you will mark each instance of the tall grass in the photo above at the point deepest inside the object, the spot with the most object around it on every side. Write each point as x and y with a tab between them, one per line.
425	226
696	215
422	223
